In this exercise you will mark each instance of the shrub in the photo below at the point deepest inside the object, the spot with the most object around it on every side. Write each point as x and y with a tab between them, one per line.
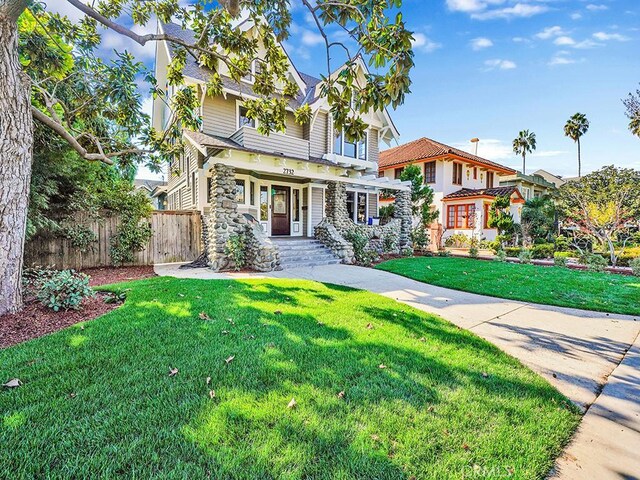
635	266
501	256
457	240
495	246
473	251
543	250
594	262
389	243
65	290
444	253
513	251
420	238
562	243
360	241
560	261
235	249
34	278
525	256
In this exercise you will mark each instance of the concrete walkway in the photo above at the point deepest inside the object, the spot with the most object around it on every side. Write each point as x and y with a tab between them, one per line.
577	351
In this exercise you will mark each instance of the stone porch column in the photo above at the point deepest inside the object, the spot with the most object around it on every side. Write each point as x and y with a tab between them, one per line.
336	205
402	211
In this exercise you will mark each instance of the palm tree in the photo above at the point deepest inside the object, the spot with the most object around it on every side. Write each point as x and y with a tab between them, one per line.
523	144
575	127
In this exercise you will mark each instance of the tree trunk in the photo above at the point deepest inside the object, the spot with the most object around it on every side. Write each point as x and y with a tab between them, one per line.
16	143
524	160
579	162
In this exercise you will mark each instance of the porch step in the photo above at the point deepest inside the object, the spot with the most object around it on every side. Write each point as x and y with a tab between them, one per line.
304	253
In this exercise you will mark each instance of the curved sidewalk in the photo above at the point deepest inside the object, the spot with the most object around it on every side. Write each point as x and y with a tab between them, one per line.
577	351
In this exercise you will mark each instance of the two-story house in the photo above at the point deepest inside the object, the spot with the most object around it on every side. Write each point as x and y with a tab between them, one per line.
280	179
464	185
530	186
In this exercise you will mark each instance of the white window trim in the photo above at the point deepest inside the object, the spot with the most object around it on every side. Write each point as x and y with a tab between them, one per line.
355	204
240	103
342	137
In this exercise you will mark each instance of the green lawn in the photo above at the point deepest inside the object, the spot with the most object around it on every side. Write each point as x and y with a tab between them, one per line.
531	283
98	401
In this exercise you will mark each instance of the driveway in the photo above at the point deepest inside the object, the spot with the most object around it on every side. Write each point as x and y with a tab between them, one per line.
577	351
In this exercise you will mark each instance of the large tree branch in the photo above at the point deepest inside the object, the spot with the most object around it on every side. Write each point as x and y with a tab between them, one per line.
12	9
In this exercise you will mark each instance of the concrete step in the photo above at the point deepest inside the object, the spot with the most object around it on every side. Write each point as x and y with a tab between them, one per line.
301	253
286	266
307	257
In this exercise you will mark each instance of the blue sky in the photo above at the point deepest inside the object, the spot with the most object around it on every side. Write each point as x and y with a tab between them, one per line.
489	68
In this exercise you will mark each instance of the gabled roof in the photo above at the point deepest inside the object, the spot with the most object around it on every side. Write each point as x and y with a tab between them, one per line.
424	148
483	192
148	184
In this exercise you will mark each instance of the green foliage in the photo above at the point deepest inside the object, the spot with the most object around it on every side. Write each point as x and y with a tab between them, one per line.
538	219
420	238
500	217
542	251
473	251
561	243
421	195
524	143
560	261
525	256
513	251
390	242
81	237
34	278
576	126
235	249
458	240
65	290
635	266
501	256
602	205
360	241
386	213
594	262
632	106
495	246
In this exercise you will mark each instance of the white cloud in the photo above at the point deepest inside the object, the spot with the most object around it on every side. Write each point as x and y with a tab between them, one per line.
603	37
311	39
564	41
468	6
576	16
65	9
499	64
422	42
550	32
561	58
519	10
491	149
480	43
594	8
587	44
114	41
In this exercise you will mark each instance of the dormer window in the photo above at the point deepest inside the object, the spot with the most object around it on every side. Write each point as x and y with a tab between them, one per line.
243	119
353	149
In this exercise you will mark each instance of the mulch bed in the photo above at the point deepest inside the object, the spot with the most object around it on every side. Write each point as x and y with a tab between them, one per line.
107	275
35	320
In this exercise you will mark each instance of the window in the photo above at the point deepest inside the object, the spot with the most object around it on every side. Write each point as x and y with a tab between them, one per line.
240	191
486	216
461	216
475	173
457	174
350	148
489	179
430	172
296	205
252	193
351	204
362	208
526	193
264	203
243	120
397	172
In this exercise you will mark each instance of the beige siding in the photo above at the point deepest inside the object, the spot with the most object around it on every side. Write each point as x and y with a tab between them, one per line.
219	116
317	204
373	204
318	136
294	129
275	143
373	146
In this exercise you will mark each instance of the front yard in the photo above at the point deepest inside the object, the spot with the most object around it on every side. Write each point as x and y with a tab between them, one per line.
529	283
195	379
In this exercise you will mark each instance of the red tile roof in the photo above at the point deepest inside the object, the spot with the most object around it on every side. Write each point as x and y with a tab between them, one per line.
425	148
475	192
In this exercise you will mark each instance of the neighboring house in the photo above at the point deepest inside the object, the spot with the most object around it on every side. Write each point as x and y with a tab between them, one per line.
464	185
156	190
530	186
280	180
551	178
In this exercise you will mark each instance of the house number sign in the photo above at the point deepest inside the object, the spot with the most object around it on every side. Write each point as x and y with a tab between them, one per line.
288	171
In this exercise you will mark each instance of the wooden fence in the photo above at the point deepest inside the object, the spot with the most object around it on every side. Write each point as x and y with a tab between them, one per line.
176	238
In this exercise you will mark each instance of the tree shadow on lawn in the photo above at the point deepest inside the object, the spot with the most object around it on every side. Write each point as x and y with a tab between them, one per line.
431	412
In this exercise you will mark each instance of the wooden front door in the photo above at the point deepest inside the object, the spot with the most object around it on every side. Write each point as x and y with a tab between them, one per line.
280	211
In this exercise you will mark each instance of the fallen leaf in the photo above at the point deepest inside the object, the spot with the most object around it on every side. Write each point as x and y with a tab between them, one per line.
198	297
208	380
446	432
204	316
212	394
382	365
320	324
430	409
375	438
277	312
230	359
72	395
292	403
341	394
230	320
13	383
181	294
422	339
485	374
173	372
369	326
224	332
465	446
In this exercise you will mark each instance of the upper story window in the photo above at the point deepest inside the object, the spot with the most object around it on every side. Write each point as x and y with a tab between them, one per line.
350	148
475	173
397	173
243	120
489	179
457	174
255	68
430	172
